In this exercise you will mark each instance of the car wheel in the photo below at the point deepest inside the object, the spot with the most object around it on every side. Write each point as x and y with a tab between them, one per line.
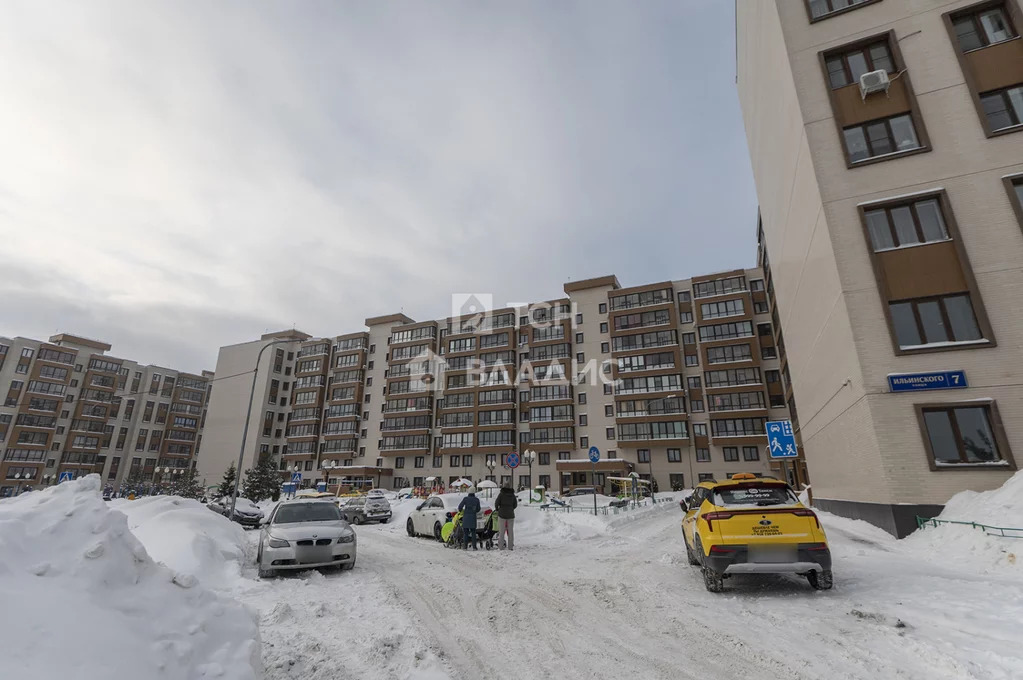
436	531
714	581
410	527
349	566
357	520
821	580
385	520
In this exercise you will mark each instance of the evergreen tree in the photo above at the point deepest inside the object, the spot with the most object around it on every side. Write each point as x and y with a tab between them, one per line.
226	487
262	481
188	486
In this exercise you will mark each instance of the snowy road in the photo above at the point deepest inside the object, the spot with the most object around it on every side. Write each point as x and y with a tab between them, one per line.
624	602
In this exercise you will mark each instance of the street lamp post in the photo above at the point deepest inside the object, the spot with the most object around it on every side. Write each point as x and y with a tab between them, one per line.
528	456
248	417
650	459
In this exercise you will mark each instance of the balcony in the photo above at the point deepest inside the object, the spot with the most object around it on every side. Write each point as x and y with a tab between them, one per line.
314	350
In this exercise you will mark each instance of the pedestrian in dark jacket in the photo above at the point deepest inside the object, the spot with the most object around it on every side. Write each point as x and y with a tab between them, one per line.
470	507
505	506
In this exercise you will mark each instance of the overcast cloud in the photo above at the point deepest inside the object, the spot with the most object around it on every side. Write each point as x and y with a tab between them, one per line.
177	176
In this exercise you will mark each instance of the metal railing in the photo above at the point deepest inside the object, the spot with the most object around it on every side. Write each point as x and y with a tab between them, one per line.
922	522
606	510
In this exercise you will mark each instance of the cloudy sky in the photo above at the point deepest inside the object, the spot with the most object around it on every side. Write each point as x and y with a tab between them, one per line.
179	176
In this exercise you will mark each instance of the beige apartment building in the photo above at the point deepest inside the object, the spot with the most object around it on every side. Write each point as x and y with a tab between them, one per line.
70	409
672	380
886	139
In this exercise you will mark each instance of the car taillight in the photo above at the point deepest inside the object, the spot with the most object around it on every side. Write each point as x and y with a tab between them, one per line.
806	512
712	516
720	550
817	546
487	512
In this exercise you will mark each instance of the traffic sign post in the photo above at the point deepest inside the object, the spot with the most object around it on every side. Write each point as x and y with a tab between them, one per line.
513	460
781	442
594	457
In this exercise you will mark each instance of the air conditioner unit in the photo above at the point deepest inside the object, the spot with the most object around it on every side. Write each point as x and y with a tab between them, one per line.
874	81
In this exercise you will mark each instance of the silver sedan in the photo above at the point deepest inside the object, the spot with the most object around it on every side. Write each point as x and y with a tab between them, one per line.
305	534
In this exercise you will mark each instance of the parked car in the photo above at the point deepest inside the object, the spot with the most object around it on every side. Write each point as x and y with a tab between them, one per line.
366	509
430	516
305	534
582	491
753	525
245	511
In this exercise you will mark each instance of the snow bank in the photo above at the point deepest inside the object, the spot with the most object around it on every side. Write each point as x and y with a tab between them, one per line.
83	599
188	537
1001	507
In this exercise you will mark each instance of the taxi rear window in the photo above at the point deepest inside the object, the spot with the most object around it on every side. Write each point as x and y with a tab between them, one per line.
754	495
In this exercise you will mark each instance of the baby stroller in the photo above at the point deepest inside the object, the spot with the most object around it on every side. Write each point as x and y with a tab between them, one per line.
453	537
489	531
451	532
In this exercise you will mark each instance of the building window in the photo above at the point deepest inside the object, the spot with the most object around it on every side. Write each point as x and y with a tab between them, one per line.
643	455
608	388
881	138
609	432
776	400
1003	108
674	455
845	68
768	353
685	317
926	321
692	360
750	453
580	357
689	338
905	225
963	435
706	477
702	455
579	337
693	382
582	419
700	429
584	442
582	397
603	326
696	405
602	308
981	28
822	9
731	453
399	462
609	410
760	308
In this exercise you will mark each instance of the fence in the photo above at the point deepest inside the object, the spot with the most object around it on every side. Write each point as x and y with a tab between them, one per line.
922	522
627	505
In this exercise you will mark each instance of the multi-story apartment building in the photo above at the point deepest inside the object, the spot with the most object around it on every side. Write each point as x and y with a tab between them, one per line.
886	139
673	381
69	408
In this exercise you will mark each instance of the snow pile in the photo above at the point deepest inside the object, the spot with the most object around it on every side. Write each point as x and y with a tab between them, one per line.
188	537
74	581
1001	507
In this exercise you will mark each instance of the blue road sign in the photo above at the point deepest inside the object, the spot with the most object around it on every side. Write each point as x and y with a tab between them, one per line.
66	476
915	382
296	476
289	488
513	460
594	454
781	442
321	486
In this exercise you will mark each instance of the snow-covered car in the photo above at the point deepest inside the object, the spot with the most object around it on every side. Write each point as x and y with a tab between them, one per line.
305	534
366	509
429	516
246	512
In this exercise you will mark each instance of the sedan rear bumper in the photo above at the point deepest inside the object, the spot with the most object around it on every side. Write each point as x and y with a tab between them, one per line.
735	559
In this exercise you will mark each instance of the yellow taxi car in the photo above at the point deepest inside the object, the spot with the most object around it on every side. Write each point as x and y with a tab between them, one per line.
753	525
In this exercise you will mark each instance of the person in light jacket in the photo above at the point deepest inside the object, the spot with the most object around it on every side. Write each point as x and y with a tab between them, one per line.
505	506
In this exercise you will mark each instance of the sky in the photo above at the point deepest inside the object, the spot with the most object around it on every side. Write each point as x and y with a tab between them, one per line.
176	177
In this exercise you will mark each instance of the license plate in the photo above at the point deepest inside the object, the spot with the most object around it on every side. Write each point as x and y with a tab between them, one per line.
772	553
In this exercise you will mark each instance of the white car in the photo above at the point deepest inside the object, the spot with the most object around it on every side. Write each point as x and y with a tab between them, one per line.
305	534
430	515
246	512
